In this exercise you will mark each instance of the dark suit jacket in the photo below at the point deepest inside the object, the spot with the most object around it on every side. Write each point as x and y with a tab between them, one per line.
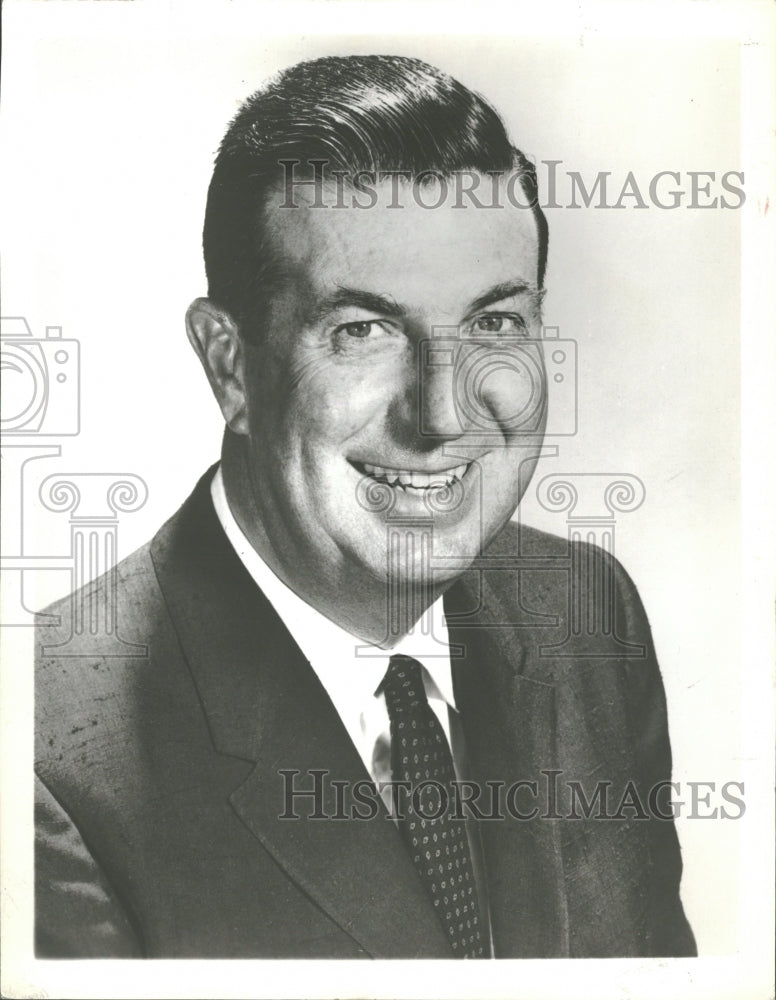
159	793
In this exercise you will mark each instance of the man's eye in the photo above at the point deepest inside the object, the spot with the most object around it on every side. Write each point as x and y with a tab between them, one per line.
357	330
493	323
364	337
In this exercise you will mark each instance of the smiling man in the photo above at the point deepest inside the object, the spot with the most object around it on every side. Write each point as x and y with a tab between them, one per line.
350	736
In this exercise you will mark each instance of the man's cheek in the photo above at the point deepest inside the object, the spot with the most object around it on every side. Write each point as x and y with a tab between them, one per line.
512	397
337	409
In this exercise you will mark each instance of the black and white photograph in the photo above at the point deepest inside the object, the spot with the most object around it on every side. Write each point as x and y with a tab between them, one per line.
387	451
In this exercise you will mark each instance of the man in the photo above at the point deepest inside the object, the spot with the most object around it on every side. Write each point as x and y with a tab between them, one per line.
366	725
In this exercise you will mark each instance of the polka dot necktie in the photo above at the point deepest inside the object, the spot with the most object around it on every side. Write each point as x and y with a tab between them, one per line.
436	839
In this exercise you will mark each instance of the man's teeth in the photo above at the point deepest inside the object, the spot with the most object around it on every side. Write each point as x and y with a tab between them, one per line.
416	480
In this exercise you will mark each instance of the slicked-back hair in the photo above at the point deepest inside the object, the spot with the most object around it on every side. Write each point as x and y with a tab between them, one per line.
360	114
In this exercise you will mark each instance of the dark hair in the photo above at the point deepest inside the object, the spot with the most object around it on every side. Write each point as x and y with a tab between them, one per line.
358	113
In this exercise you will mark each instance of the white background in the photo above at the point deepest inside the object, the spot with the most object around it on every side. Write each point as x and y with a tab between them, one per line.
112	116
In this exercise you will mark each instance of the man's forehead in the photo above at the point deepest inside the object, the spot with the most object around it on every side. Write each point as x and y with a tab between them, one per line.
384	232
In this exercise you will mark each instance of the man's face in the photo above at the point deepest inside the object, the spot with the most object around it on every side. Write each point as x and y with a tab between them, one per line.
361	415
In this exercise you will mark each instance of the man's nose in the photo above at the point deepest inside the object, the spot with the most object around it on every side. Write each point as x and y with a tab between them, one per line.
439	414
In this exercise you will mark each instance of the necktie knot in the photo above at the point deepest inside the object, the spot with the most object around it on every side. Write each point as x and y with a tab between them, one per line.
403	685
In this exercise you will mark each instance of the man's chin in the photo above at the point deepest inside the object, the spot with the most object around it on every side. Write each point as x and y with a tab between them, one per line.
414	561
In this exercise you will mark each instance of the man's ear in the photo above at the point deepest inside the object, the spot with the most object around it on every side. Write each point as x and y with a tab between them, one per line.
215	337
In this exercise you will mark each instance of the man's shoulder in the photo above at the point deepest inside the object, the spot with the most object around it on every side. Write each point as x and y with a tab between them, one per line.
124	591
548	572
90	653
129	590
102	651
529	548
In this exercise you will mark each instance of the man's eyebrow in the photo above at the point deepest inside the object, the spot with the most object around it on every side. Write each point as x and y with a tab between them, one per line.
386	306
355	297
505	290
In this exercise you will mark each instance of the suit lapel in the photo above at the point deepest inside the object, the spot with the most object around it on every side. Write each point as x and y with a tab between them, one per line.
264	703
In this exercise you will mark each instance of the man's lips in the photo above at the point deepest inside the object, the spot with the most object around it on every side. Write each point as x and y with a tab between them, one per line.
413	479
